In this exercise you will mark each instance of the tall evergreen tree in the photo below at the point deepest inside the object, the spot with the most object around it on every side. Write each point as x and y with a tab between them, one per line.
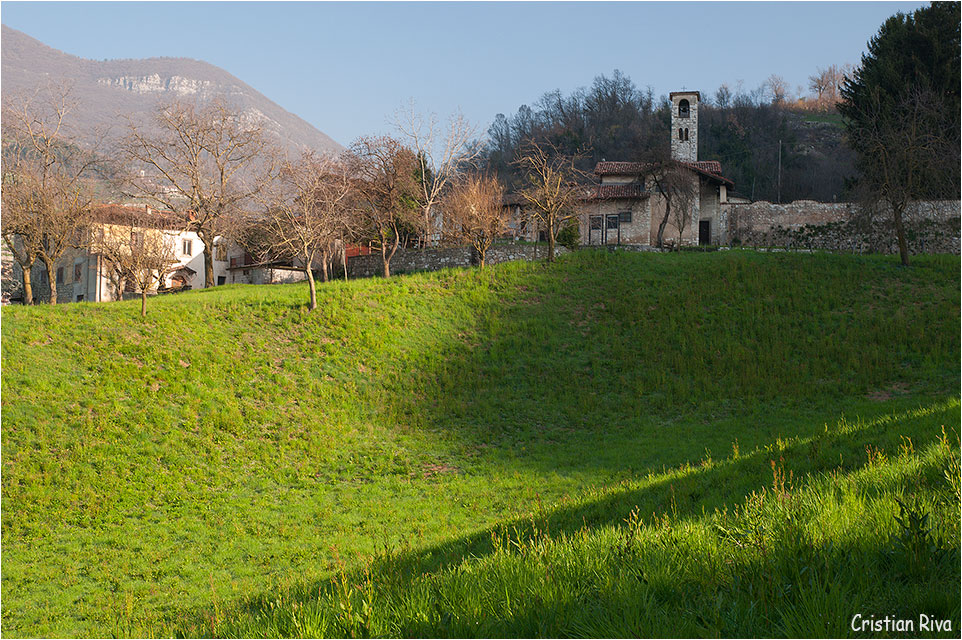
902	111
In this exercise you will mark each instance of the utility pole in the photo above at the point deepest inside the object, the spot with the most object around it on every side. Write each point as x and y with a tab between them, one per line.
779	195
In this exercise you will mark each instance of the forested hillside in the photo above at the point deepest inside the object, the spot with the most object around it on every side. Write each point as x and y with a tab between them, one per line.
614	119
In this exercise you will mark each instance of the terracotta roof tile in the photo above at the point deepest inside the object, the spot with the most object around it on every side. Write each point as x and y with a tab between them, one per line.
711	169
711	166
708	168
616	191
136	215
620	168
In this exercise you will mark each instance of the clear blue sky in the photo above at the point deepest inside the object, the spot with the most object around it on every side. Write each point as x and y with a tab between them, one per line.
346	67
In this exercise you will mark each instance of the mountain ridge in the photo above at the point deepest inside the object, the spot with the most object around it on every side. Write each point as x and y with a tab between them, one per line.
109	90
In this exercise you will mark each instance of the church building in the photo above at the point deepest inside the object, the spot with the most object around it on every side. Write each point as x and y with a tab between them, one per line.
628	205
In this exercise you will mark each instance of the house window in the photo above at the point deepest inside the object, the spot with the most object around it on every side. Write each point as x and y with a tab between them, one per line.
59	275
78	270
187	246
80	297
624	217
220	253
595	223
612	222
683	108
136	239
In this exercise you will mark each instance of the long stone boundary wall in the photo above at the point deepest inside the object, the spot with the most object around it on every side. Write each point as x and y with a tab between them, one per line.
931	227
411	260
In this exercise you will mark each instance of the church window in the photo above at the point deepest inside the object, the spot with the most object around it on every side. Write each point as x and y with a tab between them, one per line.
686	135
681	135
683	109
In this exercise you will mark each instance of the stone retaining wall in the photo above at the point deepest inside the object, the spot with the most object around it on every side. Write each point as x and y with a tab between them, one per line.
411	260
931	227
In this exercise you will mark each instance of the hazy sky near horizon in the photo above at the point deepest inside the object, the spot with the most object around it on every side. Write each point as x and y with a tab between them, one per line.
347	67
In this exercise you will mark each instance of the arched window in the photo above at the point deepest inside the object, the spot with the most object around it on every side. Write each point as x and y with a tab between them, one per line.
681	134
686	134
683	108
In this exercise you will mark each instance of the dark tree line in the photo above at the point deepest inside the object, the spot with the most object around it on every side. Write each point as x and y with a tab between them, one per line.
610	120
615	120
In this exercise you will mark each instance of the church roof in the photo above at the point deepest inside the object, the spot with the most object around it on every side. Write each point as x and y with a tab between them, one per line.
708	168
616	191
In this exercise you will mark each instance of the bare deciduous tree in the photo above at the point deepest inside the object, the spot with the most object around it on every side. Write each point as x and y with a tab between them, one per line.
20	227
474	213
309	213
387	190
46	199
209	161
678	185
903	150
139	256
440	155
552	190
825	84
777	88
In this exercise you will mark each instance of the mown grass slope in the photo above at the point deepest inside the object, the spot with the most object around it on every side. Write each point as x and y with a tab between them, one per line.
209	468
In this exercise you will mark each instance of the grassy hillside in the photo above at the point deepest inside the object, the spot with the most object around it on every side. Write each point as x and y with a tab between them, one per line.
462	452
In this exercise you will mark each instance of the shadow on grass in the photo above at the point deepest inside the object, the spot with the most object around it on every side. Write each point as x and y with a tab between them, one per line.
613	362
815	588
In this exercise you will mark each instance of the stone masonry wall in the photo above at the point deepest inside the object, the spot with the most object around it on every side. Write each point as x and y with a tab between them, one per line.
931	227
410	260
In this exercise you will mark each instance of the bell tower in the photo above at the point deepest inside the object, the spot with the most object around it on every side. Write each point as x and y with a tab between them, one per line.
684	125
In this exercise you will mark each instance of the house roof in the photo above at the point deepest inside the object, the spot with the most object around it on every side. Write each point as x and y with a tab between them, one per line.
137	216
616	191
709	168
620	168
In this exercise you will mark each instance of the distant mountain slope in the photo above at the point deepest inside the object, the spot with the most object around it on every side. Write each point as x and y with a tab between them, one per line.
108	90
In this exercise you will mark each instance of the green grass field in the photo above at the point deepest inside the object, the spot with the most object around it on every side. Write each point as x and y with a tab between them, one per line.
617	444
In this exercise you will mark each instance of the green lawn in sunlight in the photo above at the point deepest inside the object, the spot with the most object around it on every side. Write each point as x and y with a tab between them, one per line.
461	452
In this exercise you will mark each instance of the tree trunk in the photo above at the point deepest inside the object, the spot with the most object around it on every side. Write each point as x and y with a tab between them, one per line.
323	267
143	303
52	279
208	265
313	288
386	261
344	259
427	227
27	284
900	234
550	243
387	256
660	240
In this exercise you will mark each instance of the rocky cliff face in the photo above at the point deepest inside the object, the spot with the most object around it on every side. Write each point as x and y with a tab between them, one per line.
107	92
